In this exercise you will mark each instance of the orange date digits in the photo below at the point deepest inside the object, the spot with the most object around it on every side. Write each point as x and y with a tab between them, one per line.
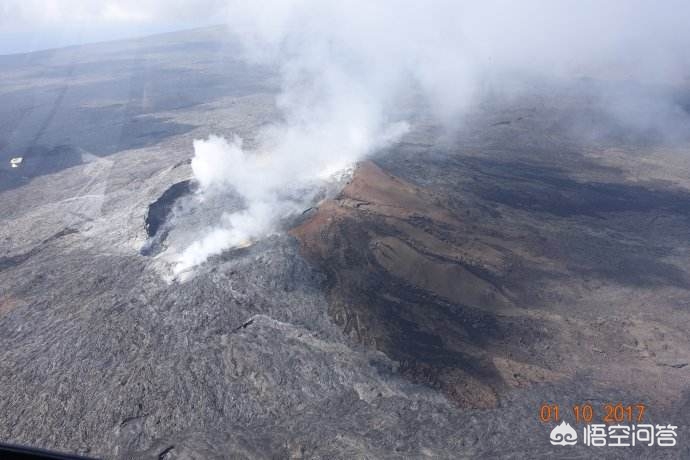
586	413
619	413
583	413
548	413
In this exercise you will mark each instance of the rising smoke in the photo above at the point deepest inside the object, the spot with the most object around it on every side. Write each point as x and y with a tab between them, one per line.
346	65
280	177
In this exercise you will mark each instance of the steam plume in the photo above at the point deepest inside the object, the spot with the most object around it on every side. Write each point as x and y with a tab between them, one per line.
346	65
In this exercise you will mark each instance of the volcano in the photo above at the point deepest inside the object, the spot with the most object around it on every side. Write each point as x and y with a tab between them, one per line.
428	309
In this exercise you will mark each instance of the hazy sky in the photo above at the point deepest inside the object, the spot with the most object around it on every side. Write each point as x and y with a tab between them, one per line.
30	25
532	32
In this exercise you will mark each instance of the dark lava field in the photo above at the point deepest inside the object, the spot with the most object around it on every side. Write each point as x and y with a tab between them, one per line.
427	309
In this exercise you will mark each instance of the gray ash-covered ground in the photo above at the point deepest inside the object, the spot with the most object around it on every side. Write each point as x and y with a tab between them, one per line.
427	311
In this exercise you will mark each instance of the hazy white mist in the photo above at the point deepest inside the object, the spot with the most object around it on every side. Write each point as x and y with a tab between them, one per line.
345	66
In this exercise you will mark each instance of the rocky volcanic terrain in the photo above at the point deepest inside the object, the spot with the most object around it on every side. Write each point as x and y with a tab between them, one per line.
426	310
